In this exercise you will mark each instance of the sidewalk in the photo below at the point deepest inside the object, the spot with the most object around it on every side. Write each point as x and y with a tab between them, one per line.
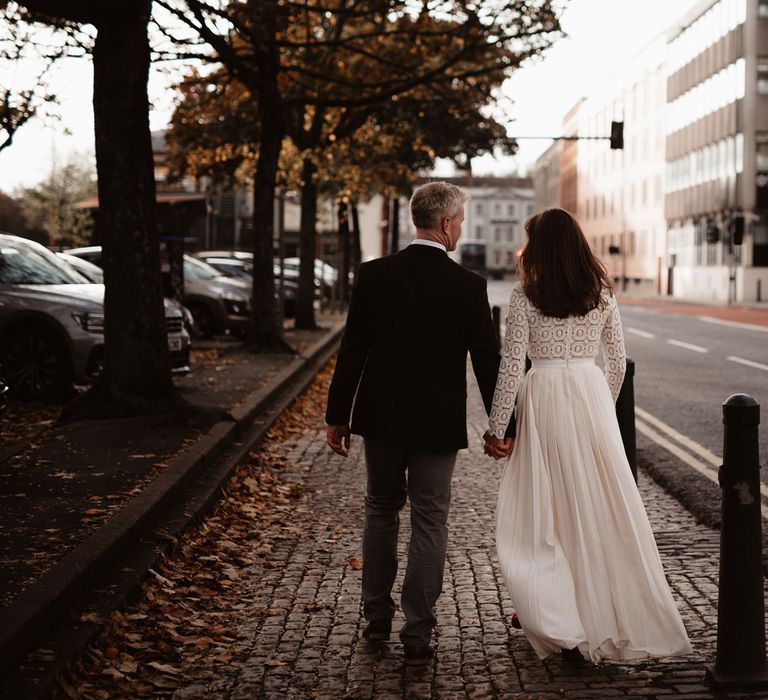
288	623
61	488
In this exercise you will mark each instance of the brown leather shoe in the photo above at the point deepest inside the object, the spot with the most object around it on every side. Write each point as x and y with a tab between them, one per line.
418	656
378	630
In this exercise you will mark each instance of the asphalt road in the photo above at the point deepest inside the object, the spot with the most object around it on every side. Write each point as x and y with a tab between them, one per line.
686	366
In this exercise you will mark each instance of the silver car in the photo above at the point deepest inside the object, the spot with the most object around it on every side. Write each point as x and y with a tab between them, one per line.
52	323
218	303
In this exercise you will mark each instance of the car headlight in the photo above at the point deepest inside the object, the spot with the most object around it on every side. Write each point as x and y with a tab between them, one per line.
89	321
234	296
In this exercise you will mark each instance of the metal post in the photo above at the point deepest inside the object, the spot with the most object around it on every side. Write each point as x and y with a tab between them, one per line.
625	413
496	316
740	658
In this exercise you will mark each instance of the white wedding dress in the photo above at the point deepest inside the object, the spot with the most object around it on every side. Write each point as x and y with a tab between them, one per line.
573	539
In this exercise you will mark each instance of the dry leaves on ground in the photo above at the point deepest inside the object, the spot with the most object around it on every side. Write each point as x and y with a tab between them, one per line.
182	632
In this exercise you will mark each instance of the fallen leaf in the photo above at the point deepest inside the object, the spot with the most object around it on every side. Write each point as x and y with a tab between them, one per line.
164	668
165	581
113	672
93	617
355	563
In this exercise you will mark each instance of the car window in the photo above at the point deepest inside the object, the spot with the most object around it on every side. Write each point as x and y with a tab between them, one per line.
198	270
22	264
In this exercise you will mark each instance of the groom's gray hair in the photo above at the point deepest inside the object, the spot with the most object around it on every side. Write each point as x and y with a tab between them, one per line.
432	202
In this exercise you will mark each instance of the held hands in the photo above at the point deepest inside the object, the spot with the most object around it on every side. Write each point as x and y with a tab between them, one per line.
337	437
496	448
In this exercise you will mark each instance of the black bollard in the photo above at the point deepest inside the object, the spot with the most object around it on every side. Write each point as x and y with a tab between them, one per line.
496	315
625	413
740	659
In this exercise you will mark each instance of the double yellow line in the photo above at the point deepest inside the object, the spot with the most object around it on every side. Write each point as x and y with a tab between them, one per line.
686	450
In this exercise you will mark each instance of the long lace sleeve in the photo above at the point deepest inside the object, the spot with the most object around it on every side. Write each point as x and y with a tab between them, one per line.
512	365
613	349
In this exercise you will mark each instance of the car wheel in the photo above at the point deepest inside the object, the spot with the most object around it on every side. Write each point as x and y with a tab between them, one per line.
204	324
36	364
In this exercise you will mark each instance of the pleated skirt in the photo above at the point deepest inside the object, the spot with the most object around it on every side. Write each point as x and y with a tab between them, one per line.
573	539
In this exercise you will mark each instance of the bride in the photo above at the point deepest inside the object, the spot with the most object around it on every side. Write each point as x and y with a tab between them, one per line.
573	539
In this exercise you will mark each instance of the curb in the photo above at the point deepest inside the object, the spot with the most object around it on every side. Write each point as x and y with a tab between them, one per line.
37	610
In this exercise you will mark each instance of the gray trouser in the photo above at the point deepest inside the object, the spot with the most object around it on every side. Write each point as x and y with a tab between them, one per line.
395	473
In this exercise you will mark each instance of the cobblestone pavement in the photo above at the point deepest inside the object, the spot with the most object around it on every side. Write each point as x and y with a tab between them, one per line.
306	641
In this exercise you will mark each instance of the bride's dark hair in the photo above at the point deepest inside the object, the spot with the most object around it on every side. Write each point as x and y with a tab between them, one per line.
559	272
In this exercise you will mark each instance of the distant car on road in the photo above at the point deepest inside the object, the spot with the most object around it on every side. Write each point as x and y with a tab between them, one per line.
52	323
218	303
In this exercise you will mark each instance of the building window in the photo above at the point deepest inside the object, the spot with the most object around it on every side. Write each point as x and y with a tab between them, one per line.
497	209
762	9
510	209
530	210
479	208
510	258
497	234
479	232
762	75
762	151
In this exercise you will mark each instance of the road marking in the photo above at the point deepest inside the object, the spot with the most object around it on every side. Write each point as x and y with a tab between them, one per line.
642	334
700	450
748	363
702	468
735	324
687	442
687	346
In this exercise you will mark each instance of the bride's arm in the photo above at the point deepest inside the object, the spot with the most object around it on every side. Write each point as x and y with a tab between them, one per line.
613	349
512	365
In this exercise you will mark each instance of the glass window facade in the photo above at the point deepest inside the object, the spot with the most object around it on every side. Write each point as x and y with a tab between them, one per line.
715	161
762	75
724	16
715	92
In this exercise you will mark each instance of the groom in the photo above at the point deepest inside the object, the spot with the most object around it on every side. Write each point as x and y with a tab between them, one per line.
412	320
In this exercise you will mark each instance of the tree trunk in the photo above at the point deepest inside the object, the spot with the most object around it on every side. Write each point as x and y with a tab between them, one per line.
394	238
136	378
265	333
305	304
345	250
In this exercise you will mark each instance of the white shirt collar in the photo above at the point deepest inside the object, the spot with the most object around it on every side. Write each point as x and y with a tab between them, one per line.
433	244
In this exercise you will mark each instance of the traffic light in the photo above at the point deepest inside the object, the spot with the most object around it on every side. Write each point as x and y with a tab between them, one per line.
712	234
737	229
617	135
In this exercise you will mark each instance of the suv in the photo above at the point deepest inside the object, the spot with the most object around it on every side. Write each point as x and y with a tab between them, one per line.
218	303
52	321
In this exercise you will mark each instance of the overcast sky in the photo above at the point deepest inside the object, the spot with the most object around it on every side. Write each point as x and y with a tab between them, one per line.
602	35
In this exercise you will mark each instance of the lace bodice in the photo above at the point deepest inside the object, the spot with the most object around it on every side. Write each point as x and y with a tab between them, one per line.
547	338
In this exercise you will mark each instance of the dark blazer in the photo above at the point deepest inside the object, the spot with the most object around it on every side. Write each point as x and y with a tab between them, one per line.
412	319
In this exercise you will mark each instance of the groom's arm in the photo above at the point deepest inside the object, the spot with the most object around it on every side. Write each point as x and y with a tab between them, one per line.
353	353
484	351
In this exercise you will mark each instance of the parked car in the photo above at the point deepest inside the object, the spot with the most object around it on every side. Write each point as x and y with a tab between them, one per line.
52	322
242	269
325	274
218	303
93	273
